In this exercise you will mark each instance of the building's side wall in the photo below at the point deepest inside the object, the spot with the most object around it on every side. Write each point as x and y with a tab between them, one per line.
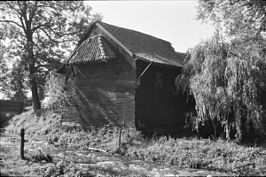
100	94
103	93
11	106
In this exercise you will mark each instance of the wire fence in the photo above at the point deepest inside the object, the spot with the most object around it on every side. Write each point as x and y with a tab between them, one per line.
22	139
62	153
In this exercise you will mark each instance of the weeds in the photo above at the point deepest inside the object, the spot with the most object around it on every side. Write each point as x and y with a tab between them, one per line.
225	156
207	154
41	157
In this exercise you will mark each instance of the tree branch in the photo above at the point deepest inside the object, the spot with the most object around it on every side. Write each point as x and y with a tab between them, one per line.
42	65
11	7
32	13
46	33
234	2
63	34
39	26
11	21
38	36
23	25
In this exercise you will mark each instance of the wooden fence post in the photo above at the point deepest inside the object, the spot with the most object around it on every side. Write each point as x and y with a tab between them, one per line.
64	157
22	141
120	135
119	140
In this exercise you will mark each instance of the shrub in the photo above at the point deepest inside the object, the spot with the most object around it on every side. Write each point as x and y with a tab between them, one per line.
200	153
39	156
54	92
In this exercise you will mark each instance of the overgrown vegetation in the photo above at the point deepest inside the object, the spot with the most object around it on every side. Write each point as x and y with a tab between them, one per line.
190	153
54	90
220	155
41	124
226	74
35	165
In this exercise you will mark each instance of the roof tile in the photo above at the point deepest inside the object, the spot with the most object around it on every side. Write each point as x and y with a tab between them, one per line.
145	46
93	49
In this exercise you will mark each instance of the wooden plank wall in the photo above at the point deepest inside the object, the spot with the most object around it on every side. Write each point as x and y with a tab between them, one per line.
11	106
100	94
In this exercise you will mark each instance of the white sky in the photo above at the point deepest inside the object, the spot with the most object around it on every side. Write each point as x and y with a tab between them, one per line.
173	21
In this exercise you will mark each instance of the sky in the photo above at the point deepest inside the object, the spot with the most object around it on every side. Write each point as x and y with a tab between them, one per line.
173	21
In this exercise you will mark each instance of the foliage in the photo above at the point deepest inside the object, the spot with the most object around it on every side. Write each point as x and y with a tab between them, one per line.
39	157
205	154
54	90
3	66
226	156
187	153
237	19
44	123
227	73
38	35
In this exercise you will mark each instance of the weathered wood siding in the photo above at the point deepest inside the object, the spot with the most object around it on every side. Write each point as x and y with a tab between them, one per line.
101	93
158	105
109	93
11	106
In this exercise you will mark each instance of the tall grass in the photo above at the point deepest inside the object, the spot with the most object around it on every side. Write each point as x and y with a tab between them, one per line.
221	155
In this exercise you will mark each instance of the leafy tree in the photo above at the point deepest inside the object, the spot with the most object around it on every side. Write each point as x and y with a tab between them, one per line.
227	73
3	67
38	35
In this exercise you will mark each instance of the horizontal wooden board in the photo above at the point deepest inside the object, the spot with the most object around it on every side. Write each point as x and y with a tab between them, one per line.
100	96
11	106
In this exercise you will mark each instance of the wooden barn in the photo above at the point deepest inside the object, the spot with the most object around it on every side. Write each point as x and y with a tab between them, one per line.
119	76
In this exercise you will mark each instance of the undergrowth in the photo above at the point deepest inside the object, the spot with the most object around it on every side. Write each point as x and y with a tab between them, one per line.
40	124
207	154
221	155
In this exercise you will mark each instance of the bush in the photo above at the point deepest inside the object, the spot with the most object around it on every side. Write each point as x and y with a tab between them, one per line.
54	89
221	155
201	153
41	157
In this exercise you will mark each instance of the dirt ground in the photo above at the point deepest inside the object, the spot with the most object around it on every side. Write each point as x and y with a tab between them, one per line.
104	163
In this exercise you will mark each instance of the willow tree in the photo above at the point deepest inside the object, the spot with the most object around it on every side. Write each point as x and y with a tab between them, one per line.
227	74
38	34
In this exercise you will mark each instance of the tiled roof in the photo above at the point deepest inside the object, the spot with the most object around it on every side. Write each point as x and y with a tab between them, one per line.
93	49
145	46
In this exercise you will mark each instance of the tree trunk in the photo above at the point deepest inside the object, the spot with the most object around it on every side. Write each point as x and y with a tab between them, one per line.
214	129
26	23
35	96
34	88
32	70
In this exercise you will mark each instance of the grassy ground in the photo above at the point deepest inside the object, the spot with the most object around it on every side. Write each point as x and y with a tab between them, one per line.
36	163
220	155
206	154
